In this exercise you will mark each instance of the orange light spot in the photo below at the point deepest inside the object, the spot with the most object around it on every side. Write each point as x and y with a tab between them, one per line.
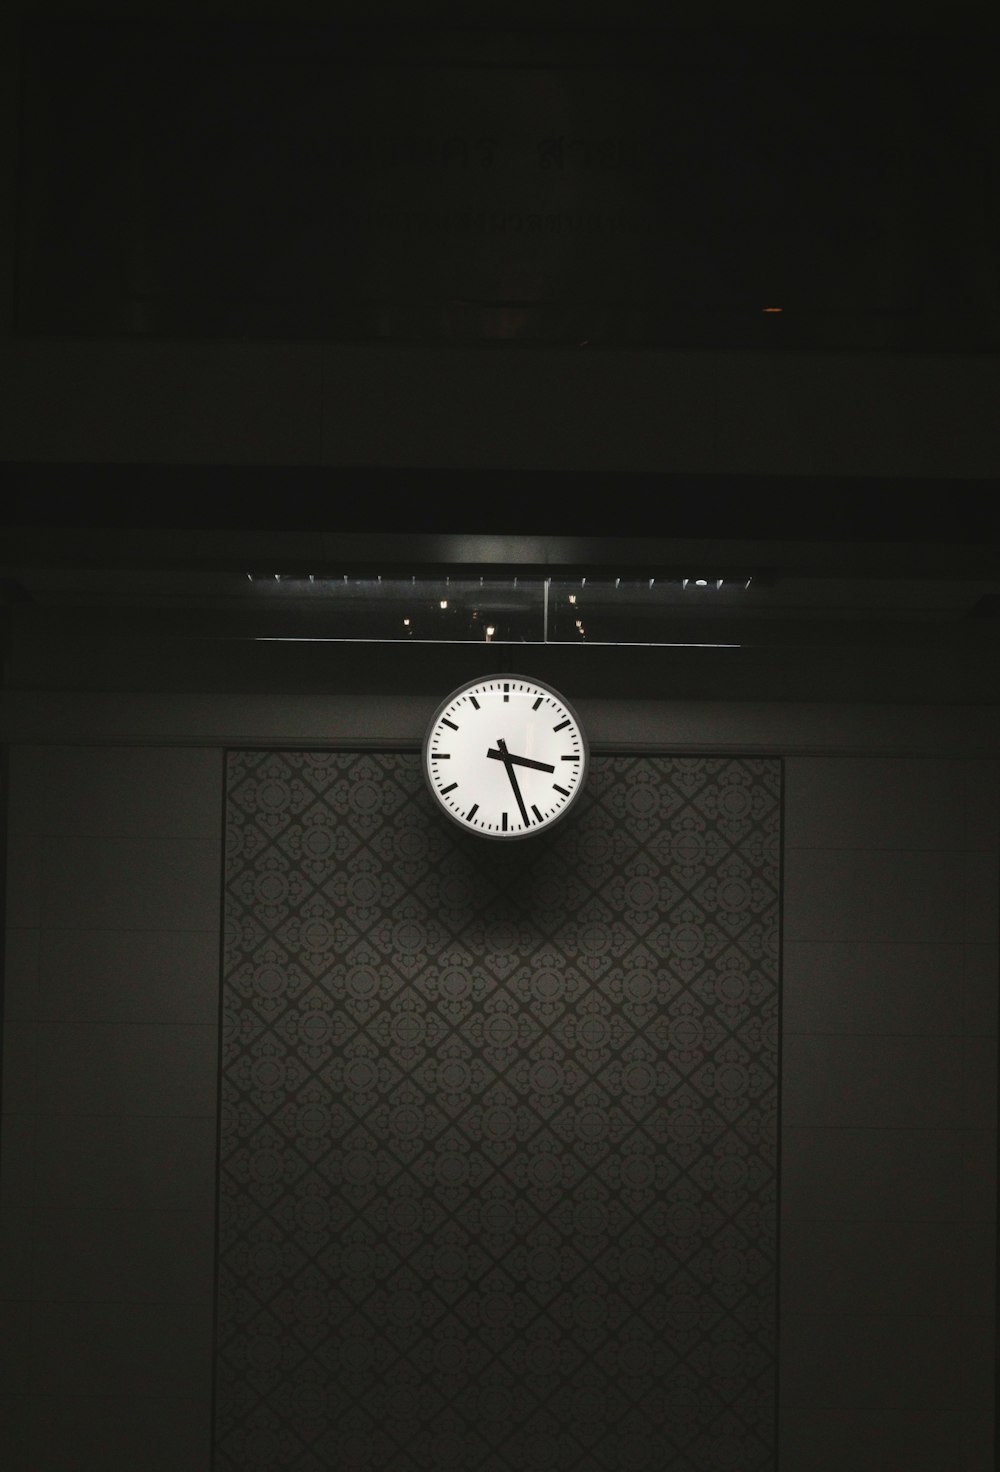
772	309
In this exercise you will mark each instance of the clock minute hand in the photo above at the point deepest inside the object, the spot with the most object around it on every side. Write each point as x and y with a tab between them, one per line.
520	761
508	763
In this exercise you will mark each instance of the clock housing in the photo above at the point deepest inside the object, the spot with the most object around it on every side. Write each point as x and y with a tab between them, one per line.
505	756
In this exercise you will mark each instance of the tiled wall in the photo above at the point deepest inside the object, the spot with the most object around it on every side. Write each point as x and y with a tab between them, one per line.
109	1108
889	1110
888	1233
497	1168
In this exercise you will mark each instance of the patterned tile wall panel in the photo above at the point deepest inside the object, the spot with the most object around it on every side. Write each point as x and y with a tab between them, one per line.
498	1137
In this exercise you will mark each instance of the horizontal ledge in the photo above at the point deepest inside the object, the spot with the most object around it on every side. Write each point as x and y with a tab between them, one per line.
615	727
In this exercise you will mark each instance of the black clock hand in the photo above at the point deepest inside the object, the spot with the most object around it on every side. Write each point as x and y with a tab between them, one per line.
508	763
520	761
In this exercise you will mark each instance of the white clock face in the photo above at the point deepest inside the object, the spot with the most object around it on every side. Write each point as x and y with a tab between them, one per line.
505	756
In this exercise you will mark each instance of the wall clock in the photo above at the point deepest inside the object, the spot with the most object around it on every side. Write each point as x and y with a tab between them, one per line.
505	756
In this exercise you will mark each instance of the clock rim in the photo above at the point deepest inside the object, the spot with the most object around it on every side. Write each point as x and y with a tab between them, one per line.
463	689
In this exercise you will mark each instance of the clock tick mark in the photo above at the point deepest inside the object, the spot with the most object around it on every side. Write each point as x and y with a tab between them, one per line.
562	725
450	788
472	812
445	722
563	790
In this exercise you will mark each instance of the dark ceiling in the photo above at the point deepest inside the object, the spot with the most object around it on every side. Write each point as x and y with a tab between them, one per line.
576	176
374	501
852	576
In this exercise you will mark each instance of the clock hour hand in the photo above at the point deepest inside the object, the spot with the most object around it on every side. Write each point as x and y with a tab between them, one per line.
508	763
520	761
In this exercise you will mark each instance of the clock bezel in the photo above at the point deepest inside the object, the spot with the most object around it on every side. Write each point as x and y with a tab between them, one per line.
538	684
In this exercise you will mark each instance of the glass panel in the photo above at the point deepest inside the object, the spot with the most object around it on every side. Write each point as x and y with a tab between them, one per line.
695	610
444	610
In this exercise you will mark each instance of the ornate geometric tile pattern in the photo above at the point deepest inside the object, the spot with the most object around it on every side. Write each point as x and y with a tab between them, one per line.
498	1140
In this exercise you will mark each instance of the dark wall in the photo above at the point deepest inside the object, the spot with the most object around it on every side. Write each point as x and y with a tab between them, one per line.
888	1104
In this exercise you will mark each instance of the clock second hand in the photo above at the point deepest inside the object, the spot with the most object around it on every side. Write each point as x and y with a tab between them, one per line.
508	762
